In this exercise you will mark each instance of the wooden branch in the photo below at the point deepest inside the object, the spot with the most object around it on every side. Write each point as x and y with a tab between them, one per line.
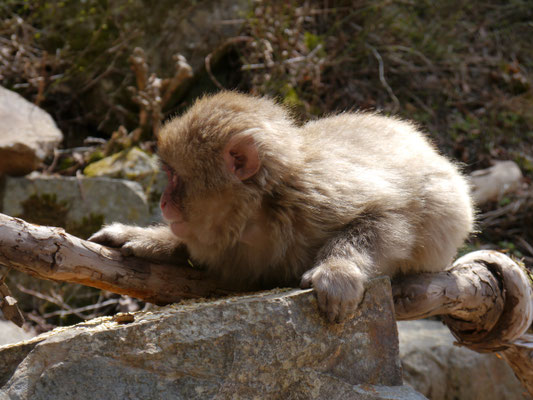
486	299
51	253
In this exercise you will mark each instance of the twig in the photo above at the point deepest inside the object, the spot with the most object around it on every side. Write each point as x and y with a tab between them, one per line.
79	310
152	92
406	49
3	278
293	60
57	300
382	78
183	72
524	243
53	165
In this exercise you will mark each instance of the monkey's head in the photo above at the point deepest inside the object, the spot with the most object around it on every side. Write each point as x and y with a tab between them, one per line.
218	159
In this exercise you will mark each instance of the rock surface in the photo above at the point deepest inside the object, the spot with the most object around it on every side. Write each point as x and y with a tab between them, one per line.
135	165
27	134
132	163
80	205
271	345
493	183
439	370
11	333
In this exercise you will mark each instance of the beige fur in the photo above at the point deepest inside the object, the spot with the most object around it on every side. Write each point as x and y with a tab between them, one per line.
334	202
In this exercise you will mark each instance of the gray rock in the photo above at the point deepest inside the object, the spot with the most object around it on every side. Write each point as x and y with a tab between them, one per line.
271	345
80	205
441	371
132	163
493	183
11	333
138	166
27	134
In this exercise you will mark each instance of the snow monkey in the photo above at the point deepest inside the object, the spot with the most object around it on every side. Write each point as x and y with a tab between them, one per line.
260	200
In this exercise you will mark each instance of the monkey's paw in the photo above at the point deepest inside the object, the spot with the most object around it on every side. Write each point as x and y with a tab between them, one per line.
339	288
125	237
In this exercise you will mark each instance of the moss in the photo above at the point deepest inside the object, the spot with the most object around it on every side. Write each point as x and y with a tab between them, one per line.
65	163
45	209
87	226
291	98
96	155
117	165
510	249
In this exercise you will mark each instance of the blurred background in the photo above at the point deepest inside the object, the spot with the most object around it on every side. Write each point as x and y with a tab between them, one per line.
108	73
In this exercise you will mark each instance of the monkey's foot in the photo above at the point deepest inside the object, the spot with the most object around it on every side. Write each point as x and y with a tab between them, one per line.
339	287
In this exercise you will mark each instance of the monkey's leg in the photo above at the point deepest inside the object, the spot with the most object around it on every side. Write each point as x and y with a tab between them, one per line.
343	266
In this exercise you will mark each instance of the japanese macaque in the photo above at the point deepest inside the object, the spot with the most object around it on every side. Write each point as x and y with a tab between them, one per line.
263	202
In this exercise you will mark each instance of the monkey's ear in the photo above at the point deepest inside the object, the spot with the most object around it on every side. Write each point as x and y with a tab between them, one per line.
241	157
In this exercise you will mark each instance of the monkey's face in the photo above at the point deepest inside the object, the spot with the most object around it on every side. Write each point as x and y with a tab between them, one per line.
208	166
206	212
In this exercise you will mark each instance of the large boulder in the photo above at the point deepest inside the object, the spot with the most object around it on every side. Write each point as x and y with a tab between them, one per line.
438	369
80	205
27	134
271	345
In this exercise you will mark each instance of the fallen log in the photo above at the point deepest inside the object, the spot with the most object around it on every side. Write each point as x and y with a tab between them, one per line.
485	298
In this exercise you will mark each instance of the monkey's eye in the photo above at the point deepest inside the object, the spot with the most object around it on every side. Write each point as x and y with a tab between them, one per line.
167	168
173	178
163	165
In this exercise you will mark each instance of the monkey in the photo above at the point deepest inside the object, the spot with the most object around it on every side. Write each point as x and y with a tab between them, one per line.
263	201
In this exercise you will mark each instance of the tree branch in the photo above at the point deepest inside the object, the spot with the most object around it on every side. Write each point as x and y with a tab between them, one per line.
485	299
51	253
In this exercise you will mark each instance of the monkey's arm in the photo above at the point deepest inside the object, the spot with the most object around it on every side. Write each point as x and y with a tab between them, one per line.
343	266
153	243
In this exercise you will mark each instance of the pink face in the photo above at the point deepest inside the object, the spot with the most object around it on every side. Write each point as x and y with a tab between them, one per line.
241	160
171	204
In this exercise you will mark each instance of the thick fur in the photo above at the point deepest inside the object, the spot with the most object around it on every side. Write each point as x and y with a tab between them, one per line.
334	201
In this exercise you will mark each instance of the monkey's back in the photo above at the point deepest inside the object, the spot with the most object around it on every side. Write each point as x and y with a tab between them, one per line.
366	162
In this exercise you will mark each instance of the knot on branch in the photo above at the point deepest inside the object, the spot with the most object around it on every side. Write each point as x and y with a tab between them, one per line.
514	313
485	298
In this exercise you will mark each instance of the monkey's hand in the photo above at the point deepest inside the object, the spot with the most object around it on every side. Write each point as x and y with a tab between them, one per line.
339	286
156	243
